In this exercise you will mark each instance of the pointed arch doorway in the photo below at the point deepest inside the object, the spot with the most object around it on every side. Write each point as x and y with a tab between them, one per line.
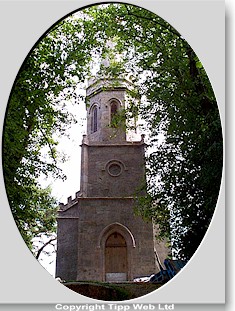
116	261
116	243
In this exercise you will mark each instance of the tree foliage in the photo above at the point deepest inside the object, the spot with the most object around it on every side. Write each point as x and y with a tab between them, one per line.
176	101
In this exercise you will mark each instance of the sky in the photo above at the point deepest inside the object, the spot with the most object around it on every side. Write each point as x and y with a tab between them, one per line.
71	147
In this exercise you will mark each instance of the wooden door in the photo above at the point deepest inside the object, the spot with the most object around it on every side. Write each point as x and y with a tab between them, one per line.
116	258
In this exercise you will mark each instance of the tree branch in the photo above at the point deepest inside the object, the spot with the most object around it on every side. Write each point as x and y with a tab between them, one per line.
44	245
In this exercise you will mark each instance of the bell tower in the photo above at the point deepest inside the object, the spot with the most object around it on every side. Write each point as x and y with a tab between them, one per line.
102	108
108	158
99	236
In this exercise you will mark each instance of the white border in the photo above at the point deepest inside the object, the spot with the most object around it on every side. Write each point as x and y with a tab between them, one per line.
22	23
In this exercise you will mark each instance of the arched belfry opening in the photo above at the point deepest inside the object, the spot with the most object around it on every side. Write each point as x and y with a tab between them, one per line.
114	106
94	119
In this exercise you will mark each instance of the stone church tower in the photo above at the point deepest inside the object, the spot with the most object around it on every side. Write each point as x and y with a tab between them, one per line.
99	236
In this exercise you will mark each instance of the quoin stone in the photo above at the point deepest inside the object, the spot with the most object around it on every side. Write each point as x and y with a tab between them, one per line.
99	236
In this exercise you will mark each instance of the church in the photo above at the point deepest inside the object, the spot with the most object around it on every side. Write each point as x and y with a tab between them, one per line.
99	236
